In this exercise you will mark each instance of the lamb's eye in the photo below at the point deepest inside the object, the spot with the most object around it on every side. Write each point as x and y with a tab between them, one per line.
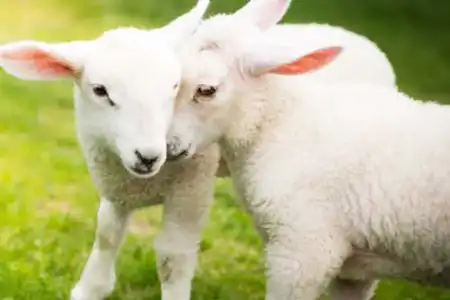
205	91
100	91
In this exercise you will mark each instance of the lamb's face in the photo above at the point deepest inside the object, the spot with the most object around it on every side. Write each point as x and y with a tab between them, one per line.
213	78
212	75
125	99
203	104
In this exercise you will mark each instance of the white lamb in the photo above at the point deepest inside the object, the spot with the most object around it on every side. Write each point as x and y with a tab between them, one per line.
125	84
347	183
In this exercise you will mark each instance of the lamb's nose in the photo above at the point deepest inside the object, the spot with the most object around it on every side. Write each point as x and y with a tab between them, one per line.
145	162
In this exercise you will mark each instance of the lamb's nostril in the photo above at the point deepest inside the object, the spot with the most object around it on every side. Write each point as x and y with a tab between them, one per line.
146	161
183	153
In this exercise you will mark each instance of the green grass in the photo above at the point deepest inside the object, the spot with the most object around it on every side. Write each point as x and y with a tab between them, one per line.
48	205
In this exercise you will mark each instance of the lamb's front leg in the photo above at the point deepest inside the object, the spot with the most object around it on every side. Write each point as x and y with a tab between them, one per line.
177	245
185	213
98	277
302	261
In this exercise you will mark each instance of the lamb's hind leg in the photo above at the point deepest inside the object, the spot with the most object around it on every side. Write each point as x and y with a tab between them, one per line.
98	277
303	261
342	289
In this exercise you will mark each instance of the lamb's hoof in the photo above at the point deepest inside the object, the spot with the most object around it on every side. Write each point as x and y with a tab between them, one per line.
98	290
81	294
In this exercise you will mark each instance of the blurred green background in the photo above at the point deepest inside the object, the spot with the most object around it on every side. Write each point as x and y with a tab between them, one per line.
48	205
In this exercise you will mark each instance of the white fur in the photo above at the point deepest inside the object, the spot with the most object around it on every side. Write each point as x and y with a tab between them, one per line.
346	182
140	69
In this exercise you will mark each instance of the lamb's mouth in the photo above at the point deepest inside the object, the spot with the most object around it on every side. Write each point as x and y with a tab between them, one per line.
142	171
174	154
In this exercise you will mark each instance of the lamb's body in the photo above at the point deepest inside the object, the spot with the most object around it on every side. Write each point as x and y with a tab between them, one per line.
362	179
289	168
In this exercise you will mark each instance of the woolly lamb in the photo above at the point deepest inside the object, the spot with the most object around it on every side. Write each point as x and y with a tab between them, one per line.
347	183
125	83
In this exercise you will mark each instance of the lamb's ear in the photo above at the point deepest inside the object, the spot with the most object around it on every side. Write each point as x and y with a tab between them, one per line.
263	13
31	60
310	62
285	60
185	25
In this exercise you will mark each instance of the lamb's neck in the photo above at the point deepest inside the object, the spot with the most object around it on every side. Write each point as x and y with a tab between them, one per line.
257	114
257	111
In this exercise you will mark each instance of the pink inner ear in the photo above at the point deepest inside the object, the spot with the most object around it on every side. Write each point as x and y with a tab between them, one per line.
309	62
41	61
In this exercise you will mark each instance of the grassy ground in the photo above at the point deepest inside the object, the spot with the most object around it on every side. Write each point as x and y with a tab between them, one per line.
47	203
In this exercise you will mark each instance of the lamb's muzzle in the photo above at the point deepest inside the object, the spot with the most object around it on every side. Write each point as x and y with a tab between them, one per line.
145	163
176	150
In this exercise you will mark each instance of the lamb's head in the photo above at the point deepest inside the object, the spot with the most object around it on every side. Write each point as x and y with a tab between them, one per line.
125	84
222	63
